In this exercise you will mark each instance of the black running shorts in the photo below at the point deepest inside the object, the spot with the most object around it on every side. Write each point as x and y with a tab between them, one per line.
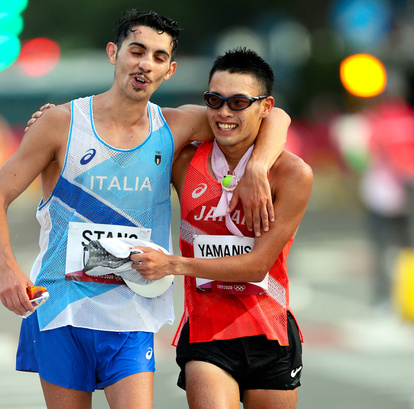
254	362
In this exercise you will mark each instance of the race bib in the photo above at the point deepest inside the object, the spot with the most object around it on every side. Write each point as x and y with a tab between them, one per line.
225	246
80	234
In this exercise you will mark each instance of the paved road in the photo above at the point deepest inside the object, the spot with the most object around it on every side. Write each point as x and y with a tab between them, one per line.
354	357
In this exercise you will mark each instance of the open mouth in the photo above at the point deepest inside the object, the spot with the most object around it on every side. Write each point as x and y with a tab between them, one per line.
226	127
140	80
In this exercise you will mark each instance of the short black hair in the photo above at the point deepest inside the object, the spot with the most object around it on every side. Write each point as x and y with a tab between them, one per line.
244	61
161	24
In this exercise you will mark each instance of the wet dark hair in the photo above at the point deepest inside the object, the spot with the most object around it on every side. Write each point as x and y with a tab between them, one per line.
161	24
244	61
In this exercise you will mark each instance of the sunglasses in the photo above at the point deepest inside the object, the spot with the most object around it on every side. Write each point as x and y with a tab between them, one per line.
236	103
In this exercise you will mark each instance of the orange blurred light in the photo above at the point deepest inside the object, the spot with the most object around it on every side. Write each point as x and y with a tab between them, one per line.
363	75
39	56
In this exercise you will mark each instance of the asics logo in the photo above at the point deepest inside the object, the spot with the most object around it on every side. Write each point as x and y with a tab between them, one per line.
148	355
295	371
198	191
88	157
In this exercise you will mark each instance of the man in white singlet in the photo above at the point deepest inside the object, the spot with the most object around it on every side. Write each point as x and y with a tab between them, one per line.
105	167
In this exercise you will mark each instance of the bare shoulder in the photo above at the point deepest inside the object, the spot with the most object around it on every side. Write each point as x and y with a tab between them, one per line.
53	126
290	168
59	115
46	139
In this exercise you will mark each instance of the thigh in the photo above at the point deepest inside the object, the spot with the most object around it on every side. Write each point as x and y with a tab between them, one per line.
210	387
132	392
63	398
270	399
222	354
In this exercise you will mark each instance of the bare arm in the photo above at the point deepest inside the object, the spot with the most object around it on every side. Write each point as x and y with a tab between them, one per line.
292	183
254	189
189	123
38	153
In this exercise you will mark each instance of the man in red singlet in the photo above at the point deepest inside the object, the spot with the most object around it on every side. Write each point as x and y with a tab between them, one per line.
238	339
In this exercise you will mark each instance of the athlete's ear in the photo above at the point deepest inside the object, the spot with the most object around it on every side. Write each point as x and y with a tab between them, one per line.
171	71
111	50
268	104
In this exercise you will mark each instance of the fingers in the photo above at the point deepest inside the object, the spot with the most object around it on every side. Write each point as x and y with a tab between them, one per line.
33	119
25	303
267	216
29	122
37	115
270	210
136	257
258	218
256	197
141	257
17	301
150	263
46	106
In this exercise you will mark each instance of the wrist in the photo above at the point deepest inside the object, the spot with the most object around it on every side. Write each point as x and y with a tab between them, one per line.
258	166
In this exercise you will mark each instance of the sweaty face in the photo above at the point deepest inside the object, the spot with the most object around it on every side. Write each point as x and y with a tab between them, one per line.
232	128
143	62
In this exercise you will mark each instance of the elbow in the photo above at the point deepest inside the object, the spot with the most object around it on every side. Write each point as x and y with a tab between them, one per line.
259	273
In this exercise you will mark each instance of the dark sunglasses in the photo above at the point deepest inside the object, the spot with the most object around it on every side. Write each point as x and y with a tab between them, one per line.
236	103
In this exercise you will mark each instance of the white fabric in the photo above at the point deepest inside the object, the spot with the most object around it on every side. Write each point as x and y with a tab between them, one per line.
104	185
221	170
123	248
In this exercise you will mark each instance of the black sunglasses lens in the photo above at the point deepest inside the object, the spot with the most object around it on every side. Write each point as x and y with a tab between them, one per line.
235	103
213	101
238	103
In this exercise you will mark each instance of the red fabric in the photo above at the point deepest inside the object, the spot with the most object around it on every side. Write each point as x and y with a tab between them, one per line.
221	316
392	136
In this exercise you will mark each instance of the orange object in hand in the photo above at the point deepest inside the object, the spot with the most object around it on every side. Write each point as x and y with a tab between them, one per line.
35	291
37	296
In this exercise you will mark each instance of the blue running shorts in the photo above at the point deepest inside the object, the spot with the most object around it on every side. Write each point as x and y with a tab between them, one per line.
81	358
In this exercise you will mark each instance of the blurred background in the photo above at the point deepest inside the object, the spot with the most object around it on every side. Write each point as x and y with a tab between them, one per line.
344	73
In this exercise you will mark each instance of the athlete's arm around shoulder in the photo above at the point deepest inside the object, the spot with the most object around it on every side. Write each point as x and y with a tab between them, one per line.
41	151
291	182
188	123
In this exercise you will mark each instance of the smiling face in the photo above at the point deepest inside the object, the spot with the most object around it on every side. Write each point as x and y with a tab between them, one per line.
237	128
142	62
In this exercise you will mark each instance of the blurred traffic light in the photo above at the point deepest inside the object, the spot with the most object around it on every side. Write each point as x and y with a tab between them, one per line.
39	56
363	75
11	25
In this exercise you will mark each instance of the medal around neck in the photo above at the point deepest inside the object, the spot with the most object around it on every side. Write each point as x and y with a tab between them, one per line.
113	256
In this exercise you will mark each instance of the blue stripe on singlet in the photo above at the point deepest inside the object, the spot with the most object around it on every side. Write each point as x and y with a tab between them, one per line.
87	205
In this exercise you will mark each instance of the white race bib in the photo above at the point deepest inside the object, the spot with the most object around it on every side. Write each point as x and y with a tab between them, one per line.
225	246
80	234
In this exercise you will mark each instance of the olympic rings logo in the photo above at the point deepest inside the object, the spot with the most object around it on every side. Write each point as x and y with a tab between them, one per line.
239	287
